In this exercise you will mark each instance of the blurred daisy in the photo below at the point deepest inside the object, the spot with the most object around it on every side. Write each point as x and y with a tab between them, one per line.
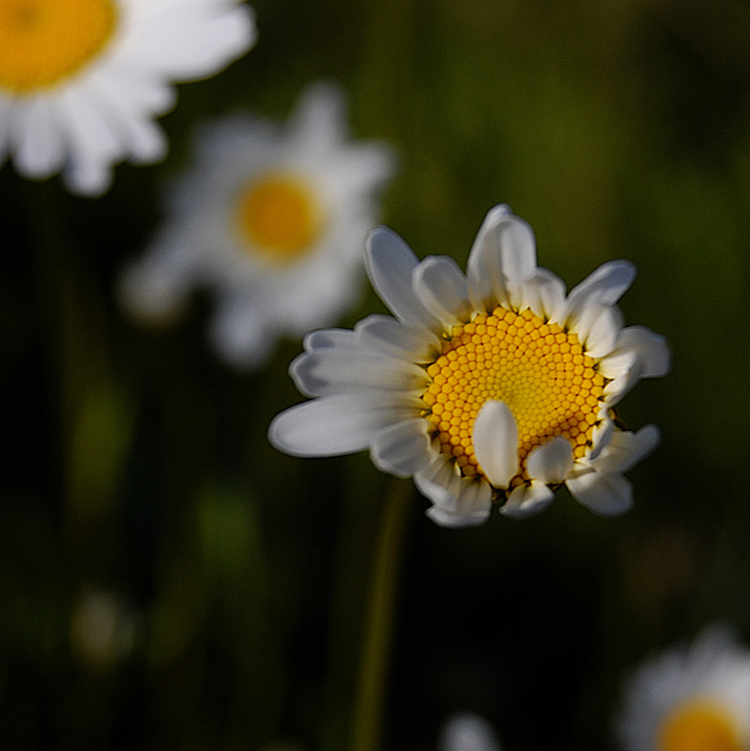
82	80
493	388
467	732
690	699
272	221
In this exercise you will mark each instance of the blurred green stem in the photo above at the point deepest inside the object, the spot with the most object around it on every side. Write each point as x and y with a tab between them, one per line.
378	626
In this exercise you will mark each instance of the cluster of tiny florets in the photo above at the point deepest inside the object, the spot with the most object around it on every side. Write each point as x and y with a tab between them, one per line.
551	386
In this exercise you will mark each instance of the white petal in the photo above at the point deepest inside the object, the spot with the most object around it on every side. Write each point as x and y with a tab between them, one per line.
608	494
413	343
598	329
334	370
619	364
319	121
527	500
652	350
440	286
403	449
333	425
325	338
389	262
517	249
467	732
40	150
626	449
601	435
605	286
484	269
242	332
459	502
551	462
495	439
544	293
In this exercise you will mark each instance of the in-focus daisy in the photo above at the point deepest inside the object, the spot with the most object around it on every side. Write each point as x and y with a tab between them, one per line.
82	80
272	221
495	387
690	699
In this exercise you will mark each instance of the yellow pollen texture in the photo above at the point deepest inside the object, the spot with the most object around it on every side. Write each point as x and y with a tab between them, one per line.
43	42
279	218
541	372
699	726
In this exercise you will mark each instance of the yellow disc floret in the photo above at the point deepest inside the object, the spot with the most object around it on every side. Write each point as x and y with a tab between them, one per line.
279	218
551	386
699	726
44	42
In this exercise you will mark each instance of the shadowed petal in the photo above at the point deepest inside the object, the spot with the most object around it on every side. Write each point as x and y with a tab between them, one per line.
607	494
551	462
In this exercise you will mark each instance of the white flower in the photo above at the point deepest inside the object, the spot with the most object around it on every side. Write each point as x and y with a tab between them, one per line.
467	732
690	699
272	221
82	80
491	387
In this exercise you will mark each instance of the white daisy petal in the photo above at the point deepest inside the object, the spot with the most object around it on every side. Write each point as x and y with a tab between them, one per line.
495	438
437	282
651	349
551	462
389	262
607	494
527	500
318	121
627	449
414	343
511	386
333	370
484	270
467	732
544	293
334	425
40	151
605	286
598	329
403	449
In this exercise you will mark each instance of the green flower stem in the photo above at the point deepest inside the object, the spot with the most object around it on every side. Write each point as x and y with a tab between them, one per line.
378	626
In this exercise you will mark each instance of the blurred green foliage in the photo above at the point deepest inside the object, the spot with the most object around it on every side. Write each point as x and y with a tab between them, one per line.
137	466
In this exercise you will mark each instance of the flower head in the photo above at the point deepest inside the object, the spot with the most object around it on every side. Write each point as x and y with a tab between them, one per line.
493	386
272	222
82	80
690	699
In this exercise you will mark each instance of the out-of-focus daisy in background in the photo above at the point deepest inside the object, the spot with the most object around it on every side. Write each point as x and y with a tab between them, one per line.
467	731
272	220
495	387
82	80
691	698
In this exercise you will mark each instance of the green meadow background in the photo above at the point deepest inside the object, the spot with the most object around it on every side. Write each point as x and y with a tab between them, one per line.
267	602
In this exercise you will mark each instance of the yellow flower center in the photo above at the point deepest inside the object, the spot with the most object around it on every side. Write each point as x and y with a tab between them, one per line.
539	370
699	726
279	218
43	42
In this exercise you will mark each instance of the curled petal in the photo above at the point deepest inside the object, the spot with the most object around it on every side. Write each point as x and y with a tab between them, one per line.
607	494
551	462
439	284
650	348
527	500
626	449
605	286
403	449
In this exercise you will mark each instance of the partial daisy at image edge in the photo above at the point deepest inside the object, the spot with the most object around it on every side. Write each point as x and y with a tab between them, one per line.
270	220
691	697
487	388
81	81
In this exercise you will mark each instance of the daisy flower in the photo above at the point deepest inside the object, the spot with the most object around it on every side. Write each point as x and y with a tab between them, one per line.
82	80
493	386
467	731
690	699
271	221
